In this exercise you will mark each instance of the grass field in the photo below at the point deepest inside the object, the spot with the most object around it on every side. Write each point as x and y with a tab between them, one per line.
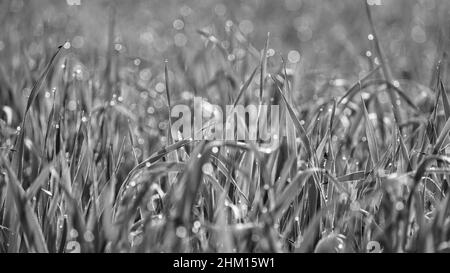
88	164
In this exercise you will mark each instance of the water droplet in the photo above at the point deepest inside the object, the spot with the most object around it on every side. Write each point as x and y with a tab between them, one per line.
150	110
373	247
89	236
208	169
67	45
376	61
72	105
181	232
73	247
178	24
294	56
399	206
162	125
160	87
118	47
229	23
73	233
246	26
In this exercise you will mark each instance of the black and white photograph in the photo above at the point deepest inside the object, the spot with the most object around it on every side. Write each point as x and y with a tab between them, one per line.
224	134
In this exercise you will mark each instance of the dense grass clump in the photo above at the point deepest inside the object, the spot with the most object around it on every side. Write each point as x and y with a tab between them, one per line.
87	163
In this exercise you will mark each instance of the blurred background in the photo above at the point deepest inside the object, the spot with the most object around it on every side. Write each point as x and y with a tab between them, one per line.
330	34
331	39
114	55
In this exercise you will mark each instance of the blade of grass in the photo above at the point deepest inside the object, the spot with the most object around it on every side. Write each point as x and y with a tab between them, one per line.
297	123
28	220
371	136
19	147
386	69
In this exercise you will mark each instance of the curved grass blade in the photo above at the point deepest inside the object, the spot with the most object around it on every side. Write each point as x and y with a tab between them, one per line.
19	147
442	137
245	86
371	136
355	87
297	124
